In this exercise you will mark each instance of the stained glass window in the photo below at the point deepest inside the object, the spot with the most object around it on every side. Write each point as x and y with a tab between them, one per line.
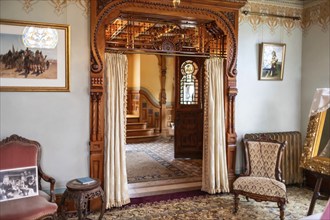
189	83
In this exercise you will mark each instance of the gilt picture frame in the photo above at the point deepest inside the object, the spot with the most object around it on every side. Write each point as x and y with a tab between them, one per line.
34	56
272	57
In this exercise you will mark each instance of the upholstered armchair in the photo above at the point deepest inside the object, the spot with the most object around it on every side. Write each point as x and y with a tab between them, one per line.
262	180
17	152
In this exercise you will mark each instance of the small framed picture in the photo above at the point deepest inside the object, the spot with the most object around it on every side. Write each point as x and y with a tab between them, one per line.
272	56
18	183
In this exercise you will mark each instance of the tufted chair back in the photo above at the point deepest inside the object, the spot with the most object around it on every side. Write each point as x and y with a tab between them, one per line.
263	158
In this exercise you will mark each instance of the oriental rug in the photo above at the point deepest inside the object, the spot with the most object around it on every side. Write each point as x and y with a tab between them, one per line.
155	161
216	207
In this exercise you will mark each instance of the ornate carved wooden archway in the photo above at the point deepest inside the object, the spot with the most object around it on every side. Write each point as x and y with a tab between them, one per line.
223	12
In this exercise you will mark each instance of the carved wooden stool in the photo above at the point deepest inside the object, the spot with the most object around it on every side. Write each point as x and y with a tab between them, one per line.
81	194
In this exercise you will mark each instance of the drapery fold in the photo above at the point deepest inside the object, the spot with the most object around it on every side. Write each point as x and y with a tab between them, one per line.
115	179
215	174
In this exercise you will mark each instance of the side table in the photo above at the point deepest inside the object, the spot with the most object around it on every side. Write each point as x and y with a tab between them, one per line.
81	194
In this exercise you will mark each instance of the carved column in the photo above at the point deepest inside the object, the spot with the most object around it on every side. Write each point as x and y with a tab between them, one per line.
96	139
134	84
231	133
163	97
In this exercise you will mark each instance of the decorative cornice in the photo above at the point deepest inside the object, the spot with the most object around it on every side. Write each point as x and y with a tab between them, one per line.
317	15
58	5
310	14
282	3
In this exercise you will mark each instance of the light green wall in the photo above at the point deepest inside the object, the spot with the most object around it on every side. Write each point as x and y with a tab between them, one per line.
58	120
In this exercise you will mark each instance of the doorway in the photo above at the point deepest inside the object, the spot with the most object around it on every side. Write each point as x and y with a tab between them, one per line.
218	35
151	165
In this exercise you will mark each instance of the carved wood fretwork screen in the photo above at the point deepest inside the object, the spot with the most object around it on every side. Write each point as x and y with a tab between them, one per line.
157	34
194	27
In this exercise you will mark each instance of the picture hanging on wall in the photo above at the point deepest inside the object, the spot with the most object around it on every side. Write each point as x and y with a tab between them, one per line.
272	57
34	56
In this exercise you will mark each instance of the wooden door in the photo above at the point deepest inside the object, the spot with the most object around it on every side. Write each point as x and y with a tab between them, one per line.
189	107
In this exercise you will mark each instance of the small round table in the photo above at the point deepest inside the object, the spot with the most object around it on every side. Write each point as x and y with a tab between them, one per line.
81	194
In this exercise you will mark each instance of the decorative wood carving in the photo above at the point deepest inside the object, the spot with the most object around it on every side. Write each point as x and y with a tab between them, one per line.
101	4
133	102
231	17
223	13
150	111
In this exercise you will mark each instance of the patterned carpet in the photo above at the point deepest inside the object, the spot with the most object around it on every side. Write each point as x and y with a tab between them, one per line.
155	161
217	207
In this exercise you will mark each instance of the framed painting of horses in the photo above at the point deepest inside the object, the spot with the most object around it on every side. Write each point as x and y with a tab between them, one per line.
34	56
272	56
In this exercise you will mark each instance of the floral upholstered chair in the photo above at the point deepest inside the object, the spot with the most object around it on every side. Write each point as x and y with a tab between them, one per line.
262	180
19	194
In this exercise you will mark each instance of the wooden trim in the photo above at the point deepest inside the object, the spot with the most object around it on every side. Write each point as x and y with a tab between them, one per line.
224	13
148	95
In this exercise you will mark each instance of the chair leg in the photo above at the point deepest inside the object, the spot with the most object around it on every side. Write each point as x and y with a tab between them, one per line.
282	208
236	200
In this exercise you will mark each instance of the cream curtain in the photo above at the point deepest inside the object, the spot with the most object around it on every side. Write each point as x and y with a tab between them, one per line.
115	183
215	176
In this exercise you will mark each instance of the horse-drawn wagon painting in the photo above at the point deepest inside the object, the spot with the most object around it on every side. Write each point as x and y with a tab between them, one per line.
34	56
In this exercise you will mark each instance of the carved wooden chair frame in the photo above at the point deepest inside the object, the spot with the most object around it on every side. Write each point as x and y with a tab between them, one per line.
41	174
278	176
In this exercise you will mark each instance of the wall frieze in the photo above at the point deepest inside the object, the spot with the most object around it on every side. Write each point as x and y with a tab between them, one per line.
310	14
317	15
58	5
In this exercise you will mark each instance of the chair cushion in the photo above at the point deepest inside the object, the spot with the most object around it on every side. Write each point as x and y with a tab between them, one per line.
263	158
27	208
261	186
45	195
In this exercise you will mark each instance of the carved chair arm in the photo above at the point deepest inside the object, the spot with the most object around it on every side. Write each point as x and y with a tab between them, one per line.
50	180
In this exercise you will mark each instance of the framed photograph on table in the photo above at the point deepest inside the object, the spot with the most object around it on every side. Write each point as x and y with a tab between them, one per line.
34	57
272	56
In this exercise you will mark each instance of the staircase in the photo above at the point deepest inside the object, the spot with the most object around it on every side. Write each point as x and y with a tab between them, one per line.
137	132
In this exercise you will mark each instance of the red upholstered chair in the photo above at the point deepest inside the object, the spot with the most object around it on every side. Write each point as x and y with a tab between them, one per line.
262	180
16	152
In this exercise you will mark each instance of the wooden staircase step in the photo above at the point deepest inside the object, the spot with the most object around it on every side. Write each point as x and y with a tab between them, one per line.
136	125
132	118
139	139
139	132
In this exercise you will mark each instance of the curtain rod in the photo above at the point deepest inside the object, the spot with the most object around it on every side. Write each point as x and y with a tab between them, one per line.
245	12
111	50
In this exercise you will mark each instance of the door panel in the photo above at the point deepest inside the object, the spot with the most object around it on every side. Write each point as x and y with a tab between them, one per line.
189	107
